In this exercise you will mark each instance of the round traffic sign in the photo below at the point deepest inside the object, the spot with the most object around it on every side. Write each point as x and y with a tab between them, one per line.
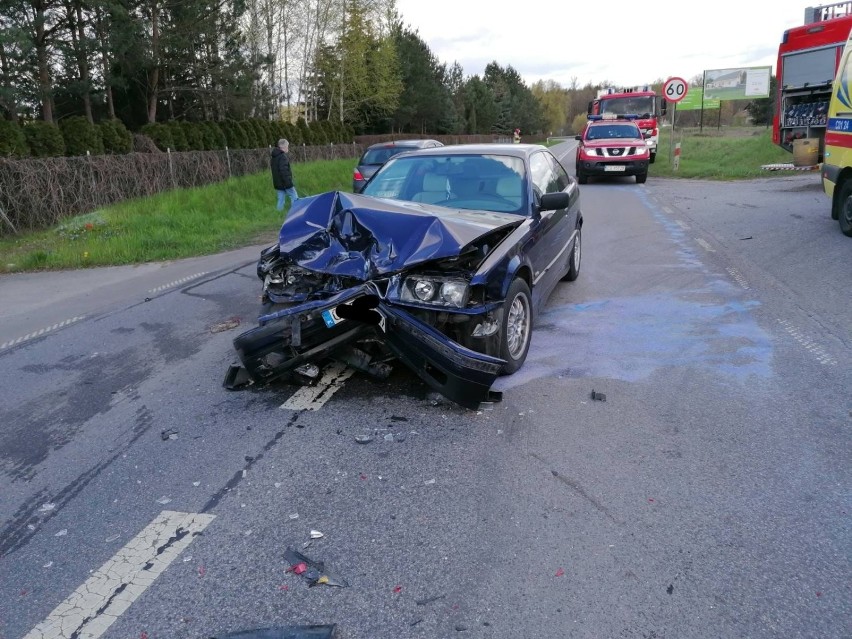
674	90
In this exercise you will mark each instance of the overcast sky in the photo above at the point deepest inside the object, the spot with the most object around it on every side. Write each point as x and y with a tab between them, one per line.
627	43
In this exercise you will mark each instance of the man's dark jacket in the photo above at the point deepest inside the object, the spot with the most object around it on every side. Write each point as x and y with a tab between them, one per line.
282	176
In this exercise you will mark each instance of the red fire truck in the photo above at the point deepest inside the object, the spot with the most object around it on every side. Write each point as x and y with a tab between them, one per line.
639	101
807	62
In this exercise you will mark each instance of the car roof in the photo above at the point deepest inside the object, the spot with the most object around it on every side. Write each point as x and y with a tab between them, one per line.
516	150
612	121
412	143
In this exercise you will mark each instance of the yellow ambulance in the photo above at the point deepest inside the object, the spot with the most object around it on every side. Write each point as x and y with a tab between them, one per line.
837	166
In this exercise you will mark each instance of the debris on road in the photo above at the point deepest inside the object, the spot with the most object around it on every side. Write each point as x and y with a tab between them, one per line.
284	632
600	397
428	600
397	589
363	439
226	325
46	508
164	500
169	433
112	538
316	534
559	572
429	482
61	533
48	564
293	516
313	571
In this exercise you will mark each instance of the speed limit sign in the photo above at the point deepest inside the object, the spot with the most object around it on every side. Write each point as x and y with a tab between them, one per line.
674	90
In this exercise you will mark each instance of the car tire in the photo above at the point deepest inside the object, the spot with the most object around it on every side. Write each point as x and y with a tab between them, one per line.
582	178
844	208
516	329
653	157
641	178
574	259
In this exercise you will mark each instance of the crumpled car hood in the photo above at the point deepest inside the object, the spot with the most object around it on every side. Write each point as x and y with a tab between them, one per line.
364	237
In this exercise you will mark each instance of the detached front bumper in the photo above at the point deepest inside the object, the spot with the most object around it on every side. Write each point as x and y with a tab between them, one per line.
318	330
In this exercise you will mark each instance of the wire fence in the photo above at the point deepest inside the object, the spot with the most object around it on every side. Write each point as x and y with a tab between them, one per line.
38	193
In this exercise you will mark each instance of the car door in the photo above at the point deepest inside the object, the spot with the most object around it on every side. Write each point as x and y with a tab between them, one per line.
553	228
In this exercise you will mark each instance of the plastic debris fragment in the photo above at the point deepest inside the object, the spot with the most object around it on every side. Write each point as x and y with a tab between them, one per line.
46	508
48	564
164	500
397	589
61	533
316	534
429	482
313	571
559	572
293	515
169	433
363	439
601	397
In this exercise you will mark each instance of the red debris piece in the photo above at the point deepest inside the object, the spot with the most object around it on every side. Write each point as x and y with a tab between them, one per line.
651	499
819	594
201	571
363	476
560	572
23	593
397	589
298	568
284	587
143	635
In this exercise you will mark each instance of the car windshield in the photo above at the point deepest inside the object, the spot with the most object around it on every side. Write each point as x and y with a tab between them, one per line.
383	154
640	105
609	131
476	182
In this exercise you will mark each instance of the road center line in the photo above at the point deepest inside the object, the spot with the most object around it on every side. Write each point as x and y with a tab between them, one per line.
182	280
705	245
314	397
41	332
682	224
103	597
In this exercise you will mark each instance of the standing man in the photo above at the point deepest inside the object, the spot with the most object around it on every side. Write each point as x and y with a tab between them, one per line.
282	175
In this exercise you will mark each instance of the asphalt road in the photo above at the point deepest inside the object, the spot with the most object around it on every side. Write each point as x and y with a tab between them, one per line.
708	496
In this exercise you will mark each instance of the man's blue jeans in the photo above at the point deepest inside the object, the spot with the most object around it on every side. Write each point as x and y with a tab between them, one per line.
282	194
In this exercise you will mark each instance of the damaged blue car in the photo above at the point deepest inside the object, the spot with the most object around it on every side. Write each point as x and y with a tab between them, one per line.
441	263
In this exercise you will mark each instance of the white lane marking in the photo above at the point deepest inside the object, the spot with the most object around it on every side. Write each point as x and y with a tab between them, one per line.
739	278
182	280
103	597
704	244
668	210
682	224
812	347
313	397
35	334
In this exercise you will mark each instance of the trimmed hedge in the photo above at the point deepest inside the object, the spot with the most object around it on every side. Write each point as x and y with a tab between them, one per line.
44	139
178	136
81	136
12	140
160	134
116	137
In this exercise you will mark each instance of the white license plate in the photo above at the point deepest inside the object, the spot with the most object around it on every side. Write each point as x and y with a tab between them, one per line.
331	318
614	167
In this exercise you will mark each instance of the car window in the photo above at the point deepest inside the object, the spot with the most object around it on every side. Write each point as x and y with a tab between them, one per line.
610	131
544	176
484	182
560	175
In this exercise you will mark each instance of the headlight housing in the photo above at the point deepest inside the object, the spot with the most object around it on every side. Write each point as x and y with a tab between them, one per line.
434	289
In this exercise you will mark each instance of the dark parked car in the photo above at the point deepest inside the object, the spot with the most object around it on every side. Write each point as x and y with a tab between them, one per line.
378	154
441	263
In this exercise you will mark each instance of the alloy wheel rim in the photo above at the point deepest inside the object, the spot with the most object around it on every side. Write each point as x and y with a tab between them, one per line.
577	250
517	326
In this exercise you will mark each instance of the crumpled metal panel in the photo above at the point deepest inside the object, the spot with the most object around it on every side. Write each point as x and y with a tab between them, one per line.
362	237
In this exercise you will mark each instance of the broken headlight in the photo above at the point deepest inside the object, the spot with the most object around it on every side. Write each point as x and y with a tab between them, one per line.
428	289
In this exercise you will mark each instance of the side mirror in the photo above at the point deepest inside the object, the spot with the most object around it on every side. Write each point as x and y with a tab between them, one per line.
578	137
554	201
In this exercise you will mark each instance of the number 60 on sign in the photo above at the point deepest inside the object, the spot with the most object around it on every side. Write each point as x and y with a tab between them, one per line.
674	90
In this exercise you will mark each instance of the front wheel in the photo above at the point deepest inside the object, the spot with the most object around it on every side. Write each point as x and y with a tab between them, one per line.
582	178
641	178
574	259
517	326
653	156
844	208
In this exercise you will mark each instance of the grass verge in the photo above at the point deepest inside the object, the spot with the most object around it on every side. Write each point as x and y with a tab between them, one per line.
173	225
734	154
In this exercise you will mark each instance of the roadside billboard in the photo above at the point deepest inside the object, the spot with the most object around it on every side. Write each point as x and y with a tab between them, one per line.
743	83
692	101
